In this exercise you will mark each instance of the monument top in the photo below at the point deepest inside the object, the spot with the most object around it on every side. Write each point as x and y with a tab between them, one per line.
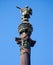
25	29
26	12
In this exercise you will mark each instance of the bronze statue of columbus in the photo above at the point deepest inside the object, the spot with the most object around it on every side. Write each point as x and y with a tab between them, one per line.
26	12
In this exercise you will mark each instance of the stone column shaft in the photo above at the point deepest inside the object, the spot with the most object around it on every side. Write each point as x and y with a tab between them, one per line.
25	59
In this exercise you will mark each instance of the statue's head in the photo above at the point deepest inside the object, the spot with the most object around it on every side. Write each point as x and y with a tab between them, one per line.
26	6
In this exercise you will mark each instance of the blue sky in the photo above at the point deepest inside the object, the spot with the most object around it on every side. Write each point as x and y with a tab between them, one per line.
42	21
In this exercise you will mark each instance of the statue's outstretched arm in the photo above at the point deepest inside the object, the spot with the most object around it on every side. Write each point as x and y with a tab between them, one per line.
21	9
18	7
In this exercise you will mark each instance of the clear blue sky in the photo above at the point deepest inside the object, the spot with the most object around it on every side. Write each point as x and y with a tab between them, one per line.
42	21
